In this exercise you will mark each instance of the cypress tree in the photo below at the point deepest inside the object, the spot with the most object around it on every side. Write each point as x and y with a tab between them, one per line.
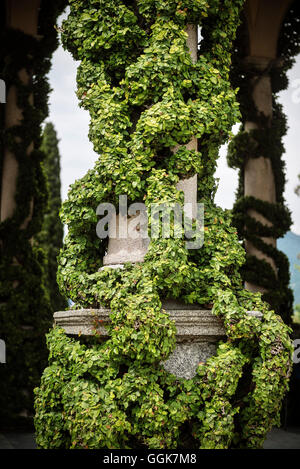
51	236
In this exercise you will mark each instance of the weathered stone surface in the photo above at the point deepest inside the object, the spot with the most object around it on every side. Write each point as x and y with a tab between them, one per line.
129	246
198	331
190	323
83	321
189	188
183	362
192	41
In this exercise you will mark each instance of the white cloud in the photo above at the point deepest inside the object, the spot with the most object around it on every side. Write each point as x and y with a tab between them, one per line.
71	122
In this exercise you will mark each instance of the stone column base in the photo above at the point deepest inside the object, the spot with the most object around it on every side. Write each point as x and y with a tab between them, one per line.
198	332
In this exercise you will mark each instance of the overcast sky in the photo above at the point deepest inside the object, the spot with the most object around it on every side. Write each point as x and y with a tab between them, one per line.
77	155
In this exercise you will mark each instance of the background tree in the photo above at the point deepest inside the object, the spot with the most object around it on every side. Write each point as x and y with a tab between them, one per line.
51	236
25	312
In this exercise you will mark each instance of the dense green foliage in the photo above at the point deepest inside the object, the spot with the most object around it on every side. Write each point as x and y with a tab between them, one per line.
50	239
266	141
145	96
25	314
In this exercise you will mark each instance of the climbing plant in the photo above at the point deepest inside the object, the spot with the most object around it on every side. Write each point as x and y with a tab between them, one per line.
50	237
266	140
145	97
25	314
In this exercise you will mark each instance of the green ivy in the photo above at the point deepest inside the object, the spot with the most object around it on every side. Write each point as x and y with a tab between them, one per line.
145	96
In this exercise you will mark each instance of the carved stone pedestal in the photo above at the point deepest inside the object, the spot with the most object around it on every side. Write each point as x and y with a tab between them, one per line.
198	332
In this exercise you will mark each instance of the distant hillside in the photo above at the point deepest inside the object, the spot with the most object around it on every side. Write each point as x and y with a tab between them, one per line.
290	245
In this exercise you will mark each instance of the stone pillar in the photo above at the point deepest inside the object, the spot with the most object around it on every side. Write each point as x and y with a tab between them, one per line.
264	20
198	331
192	41
23	16
128	241
259	179
132	245
189	186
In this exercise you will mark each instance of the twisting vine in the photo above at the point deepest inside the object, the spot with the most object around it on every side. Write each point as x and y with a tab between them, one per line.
265	141
145	96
